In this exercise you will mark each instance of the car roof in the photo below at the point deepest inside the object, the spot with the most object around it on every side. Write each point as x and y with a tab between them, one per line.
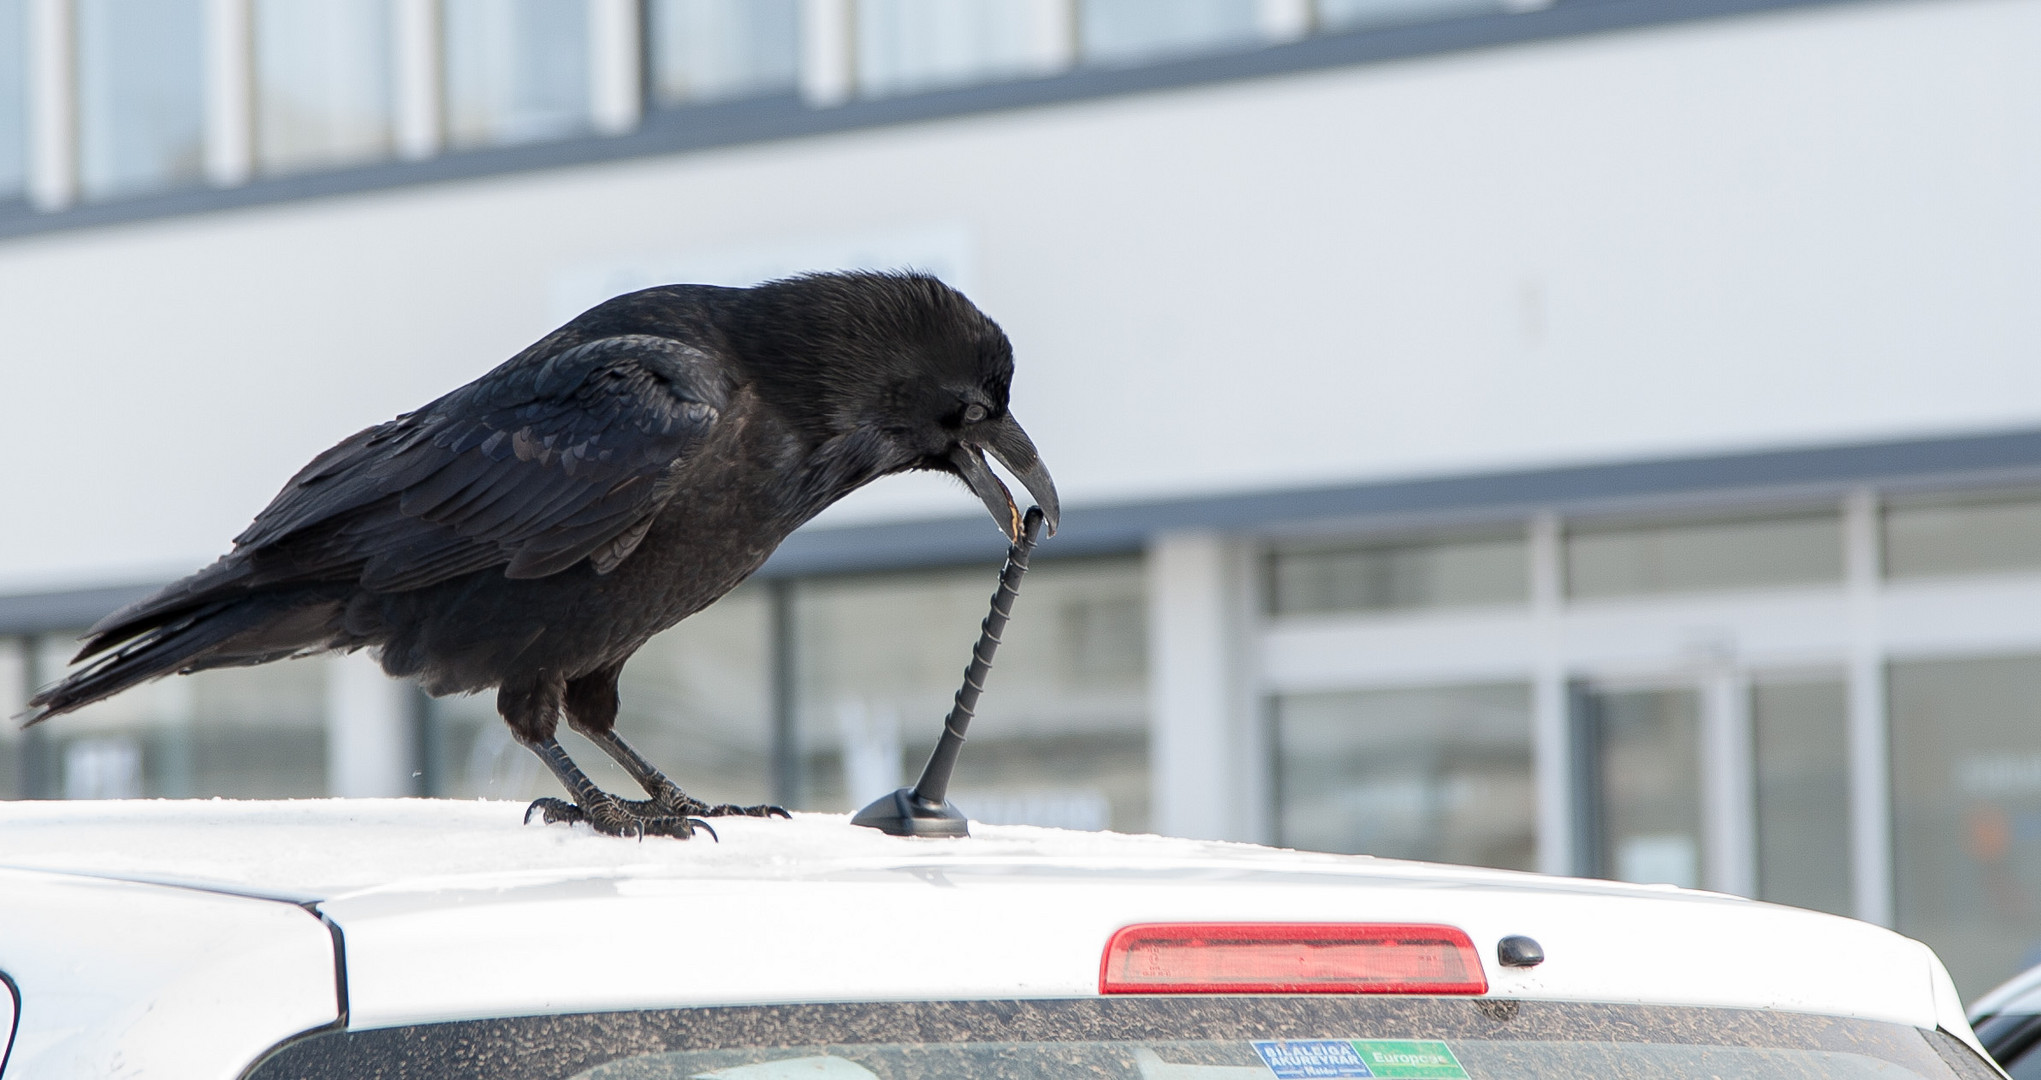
452	910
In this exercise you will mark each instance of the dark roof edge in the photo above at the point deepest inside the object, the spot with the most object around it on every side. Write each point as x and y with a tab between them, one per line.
1793	477
703	127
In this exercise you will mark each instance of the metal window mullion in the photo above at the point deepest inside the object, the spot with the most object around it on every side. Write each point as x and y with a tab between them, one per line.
229	62
783	690
828	52
616	65
1870	764
1552	725
1284	20
419	122
52	104
1728	800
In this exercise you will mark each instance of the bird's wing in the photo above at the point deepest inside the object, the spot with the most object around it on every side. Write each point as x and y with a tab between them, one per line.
534	467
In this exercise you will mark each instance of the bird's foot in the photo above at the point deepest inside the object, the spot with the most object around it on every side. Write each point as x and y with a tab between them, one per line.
733	810
612	816
670	800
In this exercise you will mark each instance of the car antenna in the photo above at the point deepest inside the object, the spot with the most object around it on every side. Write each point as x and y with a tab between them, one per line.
924	809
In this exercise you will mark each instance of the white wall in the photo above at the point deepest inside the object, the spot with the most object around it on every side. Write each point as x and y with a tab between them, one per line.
1789	228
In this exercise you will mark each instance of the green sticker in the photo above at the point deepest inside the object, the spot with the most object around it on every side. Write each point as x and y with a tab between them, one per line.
1409	1057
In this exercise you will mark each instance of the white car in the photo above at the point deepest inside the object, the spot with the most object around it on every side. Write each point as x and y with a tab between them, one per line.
426	939
2008	1023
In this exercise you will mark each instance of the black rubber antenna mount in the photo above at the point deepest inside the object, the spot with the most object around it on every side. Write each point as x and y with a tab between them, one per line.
924	809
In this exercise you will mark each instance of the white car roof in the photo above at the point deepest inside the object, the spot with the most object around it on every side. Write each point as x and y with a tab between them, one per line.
454	910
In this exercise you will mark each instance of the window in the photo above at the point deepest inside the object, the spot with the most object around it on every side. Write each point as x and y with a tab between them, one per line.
1396	576
1137	1037
1140	31
14	691
1645	750
1963	535
1061	737
1337	15
141	95
322	82
13	98
1800	733
1677	557
235	733
696	701
909	45
1966	779
516	70
713	50
1441	773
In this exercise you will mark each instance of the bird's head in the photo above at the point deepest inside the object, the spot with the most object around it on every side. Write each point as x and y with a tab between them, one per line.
911	368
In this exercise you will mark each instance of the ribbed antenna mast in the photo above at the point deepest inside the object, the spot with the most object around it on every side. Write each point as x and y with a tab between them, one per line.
924	809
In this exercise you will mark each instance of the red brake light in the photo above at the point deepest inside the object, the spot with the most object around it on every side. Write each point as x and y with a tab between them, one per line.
1290	958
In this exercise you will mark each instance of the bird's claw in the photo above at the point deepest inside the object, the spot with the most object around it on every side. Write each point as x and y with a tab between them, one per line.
556	811
614	817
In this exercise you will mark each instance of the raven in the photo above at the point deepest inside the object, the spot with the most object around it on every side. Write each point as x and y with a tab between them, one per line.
531	530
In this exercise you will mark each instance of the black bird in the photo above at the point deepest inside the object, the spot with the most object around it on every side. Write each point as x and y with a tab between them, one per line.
529	531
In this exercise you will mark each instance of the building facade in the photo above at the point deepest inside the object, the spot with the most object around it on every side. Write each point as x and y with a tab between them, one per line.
1597	437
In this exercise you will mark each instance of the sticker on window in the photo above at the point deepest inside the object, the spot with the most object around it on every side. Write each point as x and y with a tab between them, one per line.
1327	1059
1311	1059
1409	1058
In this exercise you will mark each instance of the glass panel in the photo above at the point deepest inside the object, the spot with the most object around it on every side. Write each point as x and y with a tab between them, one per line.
710	50
1337	15
696	701
516	70
1647	745
322	75
1150	1037
1966	777
247	733
13	97
14	691
1061	736
1801	736
1963	536
141	94
1137	31
1485	1059
1385	577
907	45
1677	557
1441	773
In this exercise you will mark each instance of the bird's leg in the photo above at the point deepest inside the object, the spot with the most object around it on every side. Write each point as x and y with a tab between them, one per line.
603	811
667	798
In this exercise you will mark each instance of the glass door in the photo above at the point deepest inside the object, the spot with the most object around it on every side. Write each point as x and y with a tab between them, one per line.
1639	780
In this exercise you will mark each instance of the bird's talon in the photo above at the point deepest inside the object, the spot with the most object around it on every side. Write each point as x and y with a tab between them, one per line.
554	810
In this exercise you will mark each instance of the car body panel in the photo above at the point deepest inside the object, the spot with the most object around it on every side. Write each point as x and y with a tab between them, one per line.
121	978
455	910
947	927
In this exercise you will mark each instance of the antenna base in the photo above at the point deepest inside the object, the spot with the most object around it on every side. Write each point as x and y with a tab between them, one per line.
901	814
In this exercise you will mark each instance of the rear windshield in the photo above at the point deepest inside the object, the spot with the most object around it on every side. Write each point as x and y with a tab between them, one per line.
1143	1038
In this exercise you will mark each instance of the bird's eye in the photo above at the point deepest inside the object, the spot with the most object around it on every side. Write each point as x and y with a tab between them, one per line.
974	413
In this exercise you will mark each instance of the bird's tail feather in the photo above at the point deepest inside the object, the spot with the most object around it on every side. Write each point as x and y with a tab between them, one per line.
233	633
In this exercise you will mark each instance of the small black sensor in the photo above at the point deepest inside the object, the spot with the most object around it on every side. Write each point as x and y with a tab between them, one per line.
1517	950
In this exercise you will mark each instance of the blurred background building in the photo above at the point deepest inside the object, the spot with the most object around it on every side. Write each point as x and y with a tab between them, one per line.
1596	436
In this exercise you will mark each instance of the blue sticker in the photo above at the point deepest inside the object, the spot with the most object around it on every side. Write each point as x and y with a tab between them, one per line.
1311	1059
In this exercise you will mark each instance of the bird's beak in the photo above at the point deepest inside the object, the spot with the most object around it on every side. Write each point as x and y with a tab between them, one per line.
1016	451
